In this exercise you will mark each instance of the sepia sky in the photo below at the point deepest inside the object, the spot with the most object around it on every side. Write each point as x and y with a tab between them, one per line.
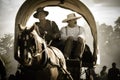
104	11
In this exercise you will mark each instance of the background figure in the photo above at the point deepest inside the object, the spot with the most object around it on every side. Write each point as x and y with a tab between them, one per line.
12	77
114	72
91	74
47	29
73	36
87	58
103	73
2	70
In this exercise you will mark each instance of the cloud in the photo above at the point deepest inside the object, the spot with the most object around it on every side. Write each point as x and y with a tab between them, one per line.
102	3
99	1
112	3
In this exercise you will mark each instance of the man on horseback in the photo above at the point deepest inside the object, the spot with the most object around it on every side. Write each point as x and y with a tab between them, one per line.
73	36
48	29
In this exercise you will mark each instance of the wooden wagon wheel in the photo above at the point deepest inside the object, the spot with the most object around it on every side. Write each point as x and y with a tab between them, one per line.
29	6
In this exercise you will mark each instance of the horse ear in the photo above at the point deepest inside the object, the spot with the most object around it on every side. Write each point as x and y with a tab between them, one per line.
32	28
21	28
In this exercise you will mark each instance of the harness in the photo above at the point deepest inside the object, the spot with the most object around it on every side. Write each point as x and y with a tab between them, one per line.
46	62
60	62
44	57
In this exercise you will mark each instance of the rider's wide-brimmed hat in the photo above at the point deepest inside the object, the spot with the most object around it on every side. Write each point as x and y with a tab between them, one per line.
71	17
40	10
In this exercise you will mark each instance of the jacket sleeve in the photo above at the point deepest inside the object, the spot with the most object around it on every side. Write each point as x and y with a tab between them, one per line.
56	32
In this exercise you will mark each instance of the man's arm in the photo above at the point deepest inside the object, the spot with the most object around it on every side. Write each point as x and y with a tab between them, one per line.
56	32
63	33
82	33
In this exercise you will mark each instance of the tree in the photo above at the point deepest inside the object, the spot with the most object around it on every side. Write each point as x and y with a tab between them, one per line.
117	22
6	47
6	53
117	29
6	43
117	26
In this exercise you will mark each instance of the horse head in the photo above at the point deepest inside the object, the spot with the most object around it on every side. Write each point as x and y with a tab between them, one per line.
30	45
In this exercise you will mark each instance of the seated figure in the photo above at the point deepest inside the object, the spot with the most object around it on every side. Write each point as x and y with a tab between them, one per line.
73	36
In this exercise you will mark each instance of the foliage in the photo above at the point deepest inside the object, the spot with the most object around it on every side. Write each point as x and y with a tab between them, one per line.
6	43
117	22
109	41
7	54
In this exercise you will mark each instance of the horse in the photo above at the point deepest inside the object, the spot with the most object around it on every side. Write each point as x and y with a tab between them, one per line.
36	56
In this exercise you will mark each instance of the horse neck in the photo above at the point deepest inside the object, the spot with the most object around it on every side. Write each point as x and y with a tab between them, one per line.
37	37
38	40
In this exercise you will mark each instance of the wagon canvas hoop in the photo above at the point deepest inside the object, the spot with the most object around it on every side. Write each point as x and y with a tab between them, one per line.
29	6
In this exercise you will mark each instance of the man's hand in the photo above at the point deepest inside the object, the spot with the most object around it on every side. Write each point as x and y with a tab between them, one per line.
56	36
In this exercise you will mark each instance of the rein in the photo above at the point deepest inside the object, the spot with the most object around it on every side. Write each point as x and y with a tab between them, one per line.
41	52
44	57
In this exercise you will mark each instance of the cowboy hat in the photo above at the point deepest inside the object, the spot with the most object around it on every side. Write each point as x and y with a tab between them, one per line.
71	17
40	10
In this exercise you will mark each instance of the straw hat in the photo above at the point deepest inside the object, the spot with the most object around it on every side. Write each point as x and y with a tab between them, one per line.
40	10
71	17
